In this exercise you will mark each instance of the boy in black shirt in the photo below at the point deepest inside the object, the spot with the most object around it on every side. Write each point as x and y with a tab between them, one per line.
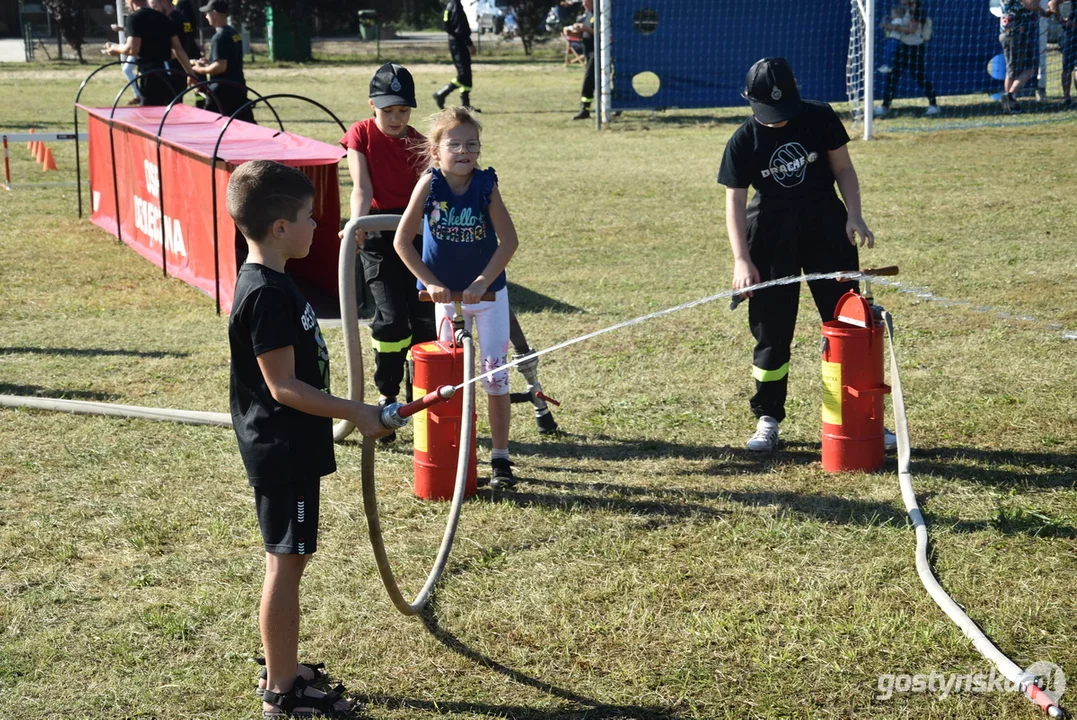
226	63
792	151
282	411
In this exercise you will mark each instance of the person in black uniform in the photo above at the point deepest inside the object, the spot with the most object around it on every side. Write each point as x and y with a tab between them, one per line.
585	28
226	63
792	152
185	32
152	39
461	47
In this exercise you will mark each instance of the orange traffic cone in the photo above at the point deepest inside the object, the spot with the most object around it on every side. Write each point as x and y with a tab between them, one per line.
30	145
39	154
49	163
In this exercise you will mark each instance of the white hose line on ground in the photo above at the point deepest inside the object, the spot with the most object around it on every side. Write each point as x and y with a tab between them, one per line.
83	407
370	505
1024	681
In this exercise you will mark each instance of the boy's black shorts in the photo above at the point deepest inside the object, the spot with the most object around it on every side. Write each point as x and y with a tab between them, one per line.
288	516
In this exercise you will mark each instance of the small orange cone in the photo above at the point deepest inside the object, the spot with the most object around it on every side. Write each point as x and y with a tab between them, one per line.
39	154
49	162
30	145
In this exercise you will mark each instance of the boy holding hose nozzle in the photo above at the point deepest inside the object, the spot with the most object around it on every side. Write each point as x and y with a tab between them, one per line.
792	152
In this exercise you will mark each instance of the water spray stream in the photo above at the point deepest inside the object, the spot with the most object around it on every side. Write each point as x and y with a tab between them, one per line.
844	275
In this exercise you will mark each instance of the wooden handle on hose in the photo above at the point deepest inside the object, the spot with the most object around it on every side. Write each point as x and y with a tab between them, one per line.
424	296
881	271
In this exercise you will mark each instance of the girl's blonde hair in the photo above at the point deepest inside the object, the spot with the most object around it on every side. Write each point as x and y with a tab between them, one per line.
444	121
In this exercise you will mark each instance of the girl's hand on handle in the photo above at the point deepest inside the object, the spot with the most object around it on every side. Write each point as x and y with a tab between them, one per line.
475	292
856	226
744	274
439	294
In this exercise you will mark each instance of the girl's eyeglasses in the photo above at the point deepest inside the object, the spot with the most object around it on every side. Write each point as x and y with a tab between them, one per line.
457	148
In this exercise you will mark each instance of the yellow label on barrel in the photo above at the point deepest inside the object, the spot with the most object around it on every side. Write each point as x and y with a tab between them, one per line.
418	422
831	393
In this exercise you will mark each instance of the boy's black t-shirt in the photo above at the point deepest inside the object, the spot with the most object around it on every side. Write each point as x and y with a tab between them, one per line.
154	30
787	163
227	45
278	444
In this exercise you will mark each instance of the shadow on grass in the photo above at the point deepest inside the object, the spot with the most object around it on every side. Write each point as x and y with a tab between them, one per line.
41	392
1006	468
1054	471
591	709
525	300
90	352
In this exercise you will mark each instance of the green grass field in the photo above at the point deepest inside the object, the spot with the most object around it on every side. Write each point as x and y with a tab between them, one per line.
648	567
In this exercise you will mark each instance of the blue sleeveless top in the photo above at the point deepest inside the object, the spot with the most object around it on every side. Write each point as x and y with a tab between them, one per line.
458	236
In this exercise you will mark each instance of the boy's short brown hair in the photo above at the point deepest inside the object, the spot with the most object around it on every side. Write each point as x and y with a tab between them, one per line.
262	192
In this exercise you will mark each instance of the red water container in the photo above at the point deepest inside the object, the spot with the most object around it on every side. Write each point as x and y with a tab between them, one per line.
853	387
437	429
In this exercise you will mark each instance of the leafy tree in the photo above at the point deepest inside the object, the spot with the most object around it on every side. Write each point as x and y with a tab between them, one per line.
70	15
531	19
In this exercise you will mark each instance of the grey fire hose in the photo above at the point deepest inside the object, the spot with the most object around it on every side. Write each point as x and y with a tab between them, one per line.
1027	682
349	317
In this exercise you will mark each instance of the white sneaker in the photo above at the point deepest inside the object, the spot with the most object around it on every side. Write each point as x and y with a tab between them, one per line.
889	440
766	435
932	110
881	111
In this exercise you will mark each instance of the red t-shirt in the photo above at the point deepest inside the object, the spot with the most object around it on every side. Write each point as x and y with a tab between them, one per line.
394	164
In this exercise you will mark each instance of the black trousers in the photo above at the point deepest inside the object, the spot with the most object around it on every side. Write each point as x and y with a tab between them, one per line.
155	87
461	58
400	320
587	93
911	58
230	99
787	239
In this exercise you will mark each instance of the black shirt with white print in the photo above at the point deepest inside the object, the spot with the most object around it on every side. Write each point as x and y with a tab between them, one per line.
786	163
278	444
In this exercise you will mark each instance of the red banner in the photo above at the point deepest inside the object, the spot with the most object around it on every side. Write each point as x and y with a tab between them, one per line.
165	211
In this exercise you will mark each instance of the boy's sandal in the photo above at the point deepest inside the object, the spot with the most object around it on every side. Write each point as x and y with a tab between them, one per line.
315	707
320	679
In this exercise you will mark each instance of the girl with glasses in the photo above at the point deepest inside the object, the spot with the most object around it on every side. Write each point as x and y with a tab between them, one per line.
468	240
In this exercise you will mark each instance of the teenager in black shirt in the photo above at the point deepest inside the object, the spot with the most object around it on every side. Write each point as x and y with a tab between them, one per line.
460	47
184	31
152	39
225	63
792	152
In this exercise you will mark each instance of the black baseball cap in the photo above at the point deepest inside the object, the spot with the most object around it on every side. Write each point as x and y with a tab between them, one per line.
392	85
220	6
772	91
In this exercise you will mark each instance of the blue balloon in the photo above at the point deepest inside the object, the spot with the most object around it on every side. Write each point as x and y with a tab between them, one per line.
996	67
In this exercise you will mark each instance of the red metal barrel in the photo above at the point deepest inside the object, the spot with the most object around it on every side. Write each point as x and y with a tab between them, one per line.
437	429
853	387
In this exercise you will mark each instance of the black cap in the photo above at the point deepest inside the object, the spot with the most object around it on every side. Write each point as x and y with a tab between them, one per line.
392	85
220	6
772	92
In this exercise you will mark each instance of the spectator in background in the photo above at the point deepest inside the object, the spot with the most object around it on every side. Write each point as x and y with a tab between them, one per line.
585	29
185	32
460	46
1068	41
911	28
1019	35
226	63
152	40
